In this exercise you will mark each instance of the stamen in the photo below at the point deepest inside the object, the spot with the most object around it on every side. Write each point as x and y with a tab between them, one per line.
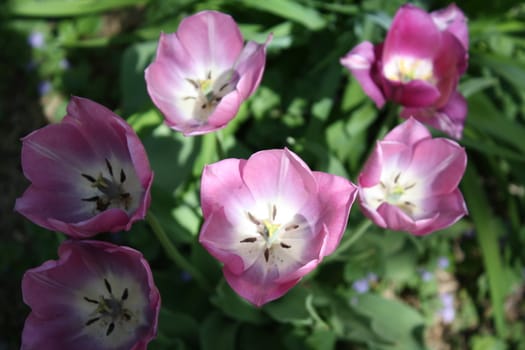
88	177
93	320
108	286
381	183
397	178
410	186
91	199
209	75
93	301
284	245
274	212
249	240
193	82
253	219
111	327
124	295
266	254
122	176
223	87
204	105
110	168
291	227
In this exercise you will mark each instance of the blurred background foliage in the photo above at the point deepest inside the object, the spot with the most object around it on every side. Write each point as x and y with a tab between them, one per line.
460	288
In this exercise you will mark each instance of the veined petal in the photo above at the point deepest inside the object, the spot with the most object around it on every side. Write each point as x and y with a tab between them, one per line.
408	133
250	67
415	93
453	20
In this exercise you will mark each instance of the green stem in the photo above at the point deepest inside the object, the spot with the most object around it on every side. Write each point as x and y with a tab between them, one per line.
219	141
486	232
346	244
174	254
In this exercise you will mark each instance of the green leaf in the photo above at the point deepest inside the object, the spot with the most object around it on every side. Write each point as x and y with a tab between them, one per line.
63	8
235	307
393	320
132	84
291	308
218	333
291	10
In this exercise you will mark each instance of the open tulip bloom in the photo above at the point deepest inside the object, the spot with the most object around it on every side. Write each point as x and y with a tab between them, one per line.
95	296
202	73
410	182
271	220
89	173
418	66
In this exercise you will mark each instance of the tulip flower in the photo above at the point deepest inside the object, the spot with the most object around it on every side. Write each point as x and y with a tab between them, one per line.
271	220
202	73
95	296
410	182
418	66
89	173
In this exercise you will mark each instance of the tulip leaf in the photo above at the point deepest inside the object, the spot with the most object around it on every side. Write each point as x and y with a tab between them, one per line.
291	308
218	333
393	320
291	10
62	8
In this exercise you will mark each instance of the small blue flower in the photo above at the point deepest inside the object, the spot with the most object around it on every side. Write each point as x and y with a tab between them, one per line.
443	262
44	87
426	275
361	285
64	64
36	39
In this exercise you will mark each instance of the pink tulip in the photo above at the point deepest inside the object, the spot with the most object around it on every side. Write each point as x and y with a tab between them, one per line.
410	182
89	173
418	66
95	296
271	220
202	73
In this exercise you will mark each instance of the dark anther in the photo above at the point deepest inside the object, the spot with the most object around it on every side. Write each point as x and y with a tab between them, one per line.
88	177
382	184
193	82
209	75
218	99
284	245
266	254
253	219
122	176
126	316
223	87
93	320
410	186
397	178
111	327
291	227
203	106
90	300
108	165
249	240
124	294
108	286
274	212
91	199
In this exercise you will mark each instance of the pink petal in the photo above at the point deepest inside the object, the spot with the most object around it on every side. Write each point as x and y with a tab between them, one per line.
275	174
408	133
440	162
412	33
449	209
250	67
454	21
212	39
416	93
450	118
337	196
362	62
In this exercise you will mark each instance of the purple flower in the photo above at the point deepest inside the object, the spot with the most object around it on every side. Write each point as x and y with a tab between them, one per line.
89	173
64	64
44	87
443	262
35	39
361	285
418	66
410	181
426	275
447	312
97	295
202	73
271	220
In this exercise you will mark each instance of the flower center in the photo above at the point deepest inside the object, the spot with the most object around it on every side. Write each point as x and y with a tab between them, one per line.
112	192
270	232
109	311
396	191
210	91
406	69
